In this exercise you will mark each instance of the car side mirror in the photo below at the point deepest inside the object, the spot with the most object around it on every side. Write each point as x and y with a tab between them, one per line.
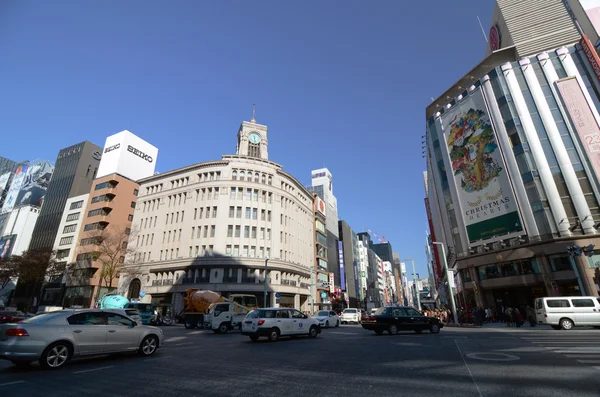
134	324
305	316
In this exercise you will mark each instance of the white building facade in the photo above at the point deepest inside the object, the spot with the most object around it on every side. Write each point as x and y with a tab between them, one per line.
213	225
70	225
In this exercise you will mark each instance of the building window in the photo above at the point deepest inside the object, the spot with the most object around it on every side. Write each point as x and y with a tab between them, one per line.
76	205
246	231
228	250
129	217
133	204
213	230
234	175
135	192
236	250
208	212
268	216
248	194
242	175
245	251
99	211
253	231
238	212
263	215
262	233
270	180
261	252
233	193
247	212
270	198
205	231
103	197
254	213
255	195
214	212
70	228
72	217
231	212
264	178
268	234
252	251
268	252
230	231
238	229
66	240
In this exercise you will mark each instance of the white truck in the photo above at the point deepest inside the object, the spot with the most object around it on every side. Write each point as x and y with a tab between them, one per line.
226	316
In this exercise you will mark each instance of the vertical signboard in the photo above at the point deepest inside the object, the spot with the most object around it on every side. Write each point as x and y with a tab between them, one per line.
15	188
437	268
342	268
331	283
591	55
582	118
477	168
4	178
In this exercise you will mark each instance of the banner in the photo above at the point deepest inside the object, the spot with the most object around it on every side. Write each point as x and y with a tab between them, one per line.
15	187
4	182
484	190
437	266
341	262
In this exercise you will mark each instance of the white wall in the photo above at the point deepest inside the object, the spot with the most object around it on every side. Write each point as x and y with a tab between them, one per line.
63	222
128	155
21	222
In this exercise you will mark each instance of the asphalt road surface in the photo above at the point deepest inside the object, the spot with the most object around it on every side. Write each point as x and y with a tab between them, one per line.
345	361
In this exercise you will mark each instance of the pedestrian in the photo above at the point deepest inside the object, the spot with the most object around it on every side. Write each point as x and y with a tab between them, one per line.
530	316
508	316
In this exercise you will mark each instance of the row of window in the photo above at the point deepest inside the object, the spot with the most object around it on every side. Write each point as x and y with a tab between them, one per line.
99	211
95	226
198	231
154	188
249	232
248	251
76	205
107	185
147	239
251	213
154	203
104	197
73	217
250	176
237	193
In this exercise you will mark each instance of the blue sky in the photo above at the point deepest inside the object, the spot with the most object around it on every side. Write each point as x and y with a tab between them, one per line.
341	84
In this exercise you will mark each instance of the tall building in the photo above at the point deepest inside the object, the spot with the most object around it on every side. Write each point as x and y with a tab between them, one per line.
322	185
213	225
74	171
323	293
513	174
348	249
106	222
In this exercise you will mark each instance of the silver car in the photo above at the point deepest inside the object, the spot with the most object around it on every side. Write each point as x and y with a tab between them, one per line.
56	337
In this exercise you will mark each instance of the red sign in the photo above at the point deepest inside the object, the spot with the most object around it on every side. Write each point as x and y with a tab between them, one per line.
438	266
591	54
494	38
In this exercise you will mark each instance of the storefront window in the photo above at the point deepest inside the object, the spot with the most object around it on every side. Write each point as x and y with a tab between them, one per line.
560	263
508	269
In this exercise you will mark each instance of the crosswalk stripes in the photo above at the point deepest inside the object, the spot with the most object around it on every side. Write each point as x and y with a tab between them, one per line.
582	346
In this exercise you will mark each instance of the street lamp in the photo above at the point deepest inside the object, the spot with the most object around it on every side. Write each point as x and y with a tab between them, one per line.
415	282
450	289
265	283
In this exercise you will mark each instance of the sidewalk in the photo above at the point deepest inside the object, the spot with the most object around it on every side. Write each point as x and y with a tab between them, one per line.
496	326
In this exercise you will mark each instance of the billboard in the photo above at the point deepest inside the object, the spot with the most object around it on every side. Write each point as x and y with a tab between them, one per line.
15	187
477	167
341	262
321	207
437	267
4	178
128	155
6	245
582	118
35	183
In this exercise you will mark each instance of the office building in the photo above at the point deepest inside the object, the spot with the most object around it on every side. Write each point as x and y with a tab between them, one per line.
74	171
322	185
213	225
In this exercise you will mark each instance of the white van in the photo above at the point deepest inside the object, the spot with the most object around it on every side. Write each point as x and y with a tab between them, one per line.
566	312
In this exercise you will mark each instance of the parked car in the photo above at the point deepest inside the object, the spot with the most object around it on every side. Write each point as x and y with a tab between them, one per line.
395	319
277	322
327	318
567	312
12	317
54	338
350	316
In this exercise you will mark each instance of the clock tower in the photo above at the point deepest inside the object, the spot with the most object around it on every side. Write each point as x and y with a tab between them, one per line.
252	139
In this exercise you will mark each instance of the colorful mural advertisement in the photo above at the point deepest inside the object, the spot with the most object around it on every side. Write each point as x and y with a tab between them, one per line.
484	190
15	188
4	178
6	245
35	183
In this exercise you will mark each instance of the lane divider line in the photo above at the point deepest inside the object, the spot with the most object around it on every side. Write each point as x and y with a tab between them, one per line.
93	369
12	383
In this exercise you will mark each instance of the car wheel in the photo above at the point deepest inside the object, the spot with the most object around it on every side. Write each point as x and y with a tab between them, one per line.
21	364
148	345
254	338
223	328
556	327
200	324
313	332
434	329
418	331
55	356
274	335
393	329
327	324
189	324
566	324
379	331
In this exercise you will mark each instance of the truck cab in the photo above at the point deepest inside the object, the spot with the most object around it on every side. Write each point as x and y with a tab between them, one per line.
225	316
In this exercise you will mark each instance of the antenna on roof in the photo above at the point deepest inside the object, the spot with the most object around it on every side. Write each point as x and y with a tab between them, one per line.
482	30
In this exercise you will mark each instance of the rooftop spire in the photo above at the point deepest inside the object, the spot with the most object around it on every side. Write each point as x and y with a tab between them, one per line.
253	112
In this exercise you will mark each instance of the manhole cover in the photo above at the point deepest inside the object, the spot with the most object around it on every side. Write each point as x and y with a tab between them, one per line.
493	356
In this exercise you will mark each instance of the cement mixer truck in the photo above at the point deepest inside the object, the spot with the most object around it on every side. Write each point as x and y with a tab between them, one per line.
198	304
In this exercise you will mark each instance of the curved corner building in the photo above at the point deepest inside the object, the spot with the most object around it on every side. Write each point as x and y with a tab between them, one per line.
212	225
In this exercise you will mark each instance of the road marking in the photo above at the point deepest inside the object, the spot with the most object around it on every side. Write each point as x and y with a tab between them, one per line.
156	358
12	383
598	368
93	369
455	337
175	338
573	351
468	369
340	333
195	332
184	344
495	356
502	337
589	361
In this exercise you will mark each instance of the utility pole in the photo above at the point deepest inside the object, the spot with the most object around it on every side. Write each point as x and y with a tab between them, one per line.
450	289
266	281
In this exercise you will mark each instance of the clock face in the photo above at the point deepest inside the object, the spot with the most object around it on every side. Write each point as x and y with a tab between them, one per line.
254	138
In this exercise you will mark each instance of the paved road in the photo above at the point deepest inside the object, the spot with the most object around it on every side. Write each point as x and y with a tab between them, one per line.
345	361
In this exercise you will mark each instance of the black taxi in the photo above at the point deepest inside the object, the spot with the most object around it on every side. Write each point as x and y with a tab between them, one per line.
394	319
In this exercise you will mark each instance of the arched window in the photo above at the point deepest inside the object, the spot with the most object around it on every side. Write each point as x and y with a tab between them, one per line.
134	289
242	175
256	177
234	175
249	176
270	180
264	178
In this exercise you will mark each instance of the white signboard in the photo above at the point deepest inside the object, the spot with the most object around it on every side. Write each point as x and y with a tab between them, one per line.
128	155
478	170
331	283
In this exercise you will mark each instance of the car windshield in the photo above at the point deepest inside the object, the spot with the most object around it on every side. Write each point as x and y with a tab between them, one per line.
322	313
349	310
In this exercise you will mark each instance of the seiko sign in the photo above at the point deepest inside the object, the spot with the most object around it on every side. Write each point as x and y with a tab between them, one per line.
138	153
111	148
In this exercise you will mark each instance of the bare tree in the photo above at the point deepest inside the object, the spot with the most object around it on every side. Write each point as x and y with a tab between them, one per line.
9	270
110	248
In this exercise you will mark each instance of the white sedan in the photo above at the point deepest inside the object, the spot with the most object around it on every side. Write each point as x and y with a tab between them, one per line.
327	318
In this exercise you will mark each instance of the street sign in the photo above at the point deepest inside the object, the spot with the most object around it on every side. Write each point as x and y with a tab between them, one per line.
277	295
142	294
